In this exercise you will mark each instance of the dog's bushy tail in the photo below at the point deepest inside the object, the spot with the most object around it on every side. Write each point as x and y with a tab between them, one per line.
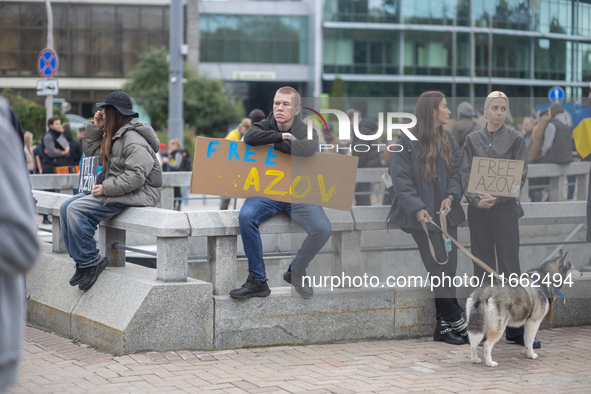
476	320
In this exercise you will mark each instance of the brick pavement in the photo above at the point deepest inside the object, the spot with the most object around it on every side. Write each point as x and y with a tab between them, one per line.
52	364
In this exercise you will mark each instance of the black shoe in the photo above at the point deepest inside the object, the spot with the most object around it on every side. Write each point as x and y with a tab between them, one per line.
77	276
460	327
287	276
250	289
295	279
444	332
46	220
520	341
91	274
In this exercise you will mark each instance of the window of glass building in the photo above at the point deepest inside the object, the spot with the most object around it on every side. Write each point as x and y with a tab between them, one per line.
554	16
584	22
510	56
511	14
584	61
550	59
428	53
378	11
431	12
463	54
91	40
360	51
253	39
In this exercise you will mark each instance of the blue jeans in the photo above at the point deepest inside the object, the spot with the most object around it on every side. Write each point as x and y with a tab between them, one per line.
79	219
309	217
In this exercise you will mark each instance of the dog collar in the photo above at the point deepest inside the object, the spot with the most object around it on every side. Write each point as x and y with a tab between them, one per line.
560	293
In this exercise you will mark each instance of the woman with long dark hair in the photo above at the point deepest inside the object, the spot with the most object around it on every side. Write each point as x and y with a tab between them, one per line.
494	227
131	176
427	186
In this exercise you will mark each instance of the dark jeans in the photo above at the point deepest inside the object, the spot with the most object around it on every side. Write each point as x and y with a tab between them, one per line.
446	304
362	199
495	232
309	217
571	188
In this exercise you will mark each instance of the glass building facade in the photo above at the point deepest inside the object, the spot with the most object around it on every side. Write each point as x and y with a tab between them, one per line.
380	48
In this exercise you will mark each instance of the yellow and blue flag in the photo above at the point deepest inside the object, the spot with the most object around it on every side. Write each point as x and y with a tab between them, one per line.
582	131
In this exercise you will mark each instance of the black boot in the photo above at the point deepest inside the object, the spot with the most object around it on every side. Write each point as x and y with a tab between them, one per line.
287	276
444	332
295	279
77	276
460	327
250	289
91	274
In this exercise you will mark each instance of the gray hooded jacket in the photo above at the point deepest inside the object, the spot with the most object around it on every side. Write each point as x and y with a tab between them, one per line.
466	124
133	175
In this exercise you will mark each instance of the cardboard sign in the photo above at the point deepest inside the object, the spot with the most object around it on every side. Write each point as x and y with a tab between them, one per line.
88	173
497	177
234	169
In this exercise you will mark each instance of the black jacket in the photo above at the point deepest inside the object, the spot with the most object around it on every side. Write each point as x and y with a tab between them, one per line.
75	149
413	193
266	132
49	144
372	157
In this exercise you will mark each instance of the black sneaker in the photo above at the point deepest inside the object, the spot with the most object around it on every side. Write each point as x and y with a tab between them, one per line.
250	289
91	274
295	279
444	333
460	327
77	276
287	276
46	220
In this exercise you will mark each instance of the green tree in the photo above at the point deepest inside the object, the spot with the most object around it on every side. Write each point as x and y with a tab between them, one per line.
205	106
29	113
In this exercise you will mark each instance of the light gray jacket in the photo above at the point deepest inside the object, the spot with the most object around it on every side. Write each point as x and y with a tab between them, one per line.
19	247
133	175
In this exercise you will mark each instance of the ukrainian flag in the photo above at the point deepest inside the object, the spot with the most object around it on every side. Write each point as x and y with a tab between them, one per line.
582	131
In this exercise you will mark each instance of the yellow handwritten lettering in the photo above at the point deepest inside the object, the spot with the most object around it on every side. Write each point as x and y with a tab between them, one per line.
295	182
326	196
279	175
253	179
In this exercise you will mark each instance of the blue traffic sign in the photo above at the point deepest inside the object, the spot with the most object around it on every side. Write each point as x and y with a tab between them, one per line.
47	63
556	94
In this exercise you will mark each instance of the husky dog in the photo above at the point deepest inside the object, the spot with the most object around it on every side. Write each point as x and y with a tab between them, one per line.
492	308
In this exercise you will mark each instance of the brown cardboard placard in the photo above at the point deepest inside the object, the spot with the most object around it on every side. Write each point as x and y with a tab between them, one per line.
234	169
497	177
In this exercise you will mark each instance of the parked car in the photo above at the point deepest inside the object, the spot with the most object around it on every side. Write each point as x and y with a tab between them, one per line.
76	122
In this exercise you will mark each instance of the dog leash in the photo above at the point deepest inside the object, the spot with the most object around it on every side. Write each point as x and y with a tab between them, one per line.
481	263
444	225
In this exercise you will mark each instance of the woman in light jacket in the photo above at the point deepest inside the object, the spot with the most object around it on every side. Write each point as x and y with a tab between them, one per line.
494	228
426	181
131	176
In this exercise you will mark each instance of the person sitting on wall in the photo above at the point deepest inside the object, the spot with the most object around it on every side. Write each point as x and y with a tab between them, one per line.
285	129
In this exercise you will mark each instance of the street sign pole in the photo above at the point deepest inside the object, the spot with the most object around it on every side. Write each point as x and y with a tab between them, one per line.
175	87
49	99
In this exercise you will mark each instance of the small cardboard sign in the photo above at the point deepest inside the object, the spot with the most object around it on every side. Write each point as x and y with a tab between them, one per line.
234	169
88	173
497	177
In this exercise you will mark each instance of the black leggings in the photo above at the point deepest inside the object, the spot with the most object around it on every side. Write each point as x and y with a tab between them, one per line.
494	236
446	304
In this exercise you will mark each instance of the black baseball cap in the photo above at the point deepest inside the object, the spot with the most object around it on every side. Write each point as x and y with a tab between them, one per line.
122	102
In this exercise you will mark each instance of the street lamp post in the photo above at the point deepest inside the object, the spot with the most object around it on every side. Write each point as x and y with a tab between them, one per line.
175	87
49	99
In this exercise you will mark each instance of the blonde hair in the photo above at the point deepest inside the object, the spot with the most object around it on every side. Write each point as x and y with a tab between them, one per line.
28	138
175	141
245	123
491	97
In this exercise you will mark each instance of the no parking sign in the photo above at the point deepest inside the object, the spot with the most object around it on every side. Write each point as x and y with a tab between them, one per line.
47	63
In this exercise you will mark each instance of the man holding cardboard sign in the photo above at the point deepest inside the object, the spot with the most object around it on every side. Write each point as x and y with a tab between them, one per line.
288	134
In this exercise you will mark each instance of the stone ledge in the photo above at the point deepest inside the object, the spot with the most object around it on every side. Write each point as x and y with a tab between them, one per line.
126	311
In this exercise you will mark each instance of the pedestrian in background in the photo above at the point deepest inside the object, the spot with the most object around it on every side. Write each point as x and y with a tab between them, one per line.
494	227
582	136
427	184
466	123
178	159
19	246
29	155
